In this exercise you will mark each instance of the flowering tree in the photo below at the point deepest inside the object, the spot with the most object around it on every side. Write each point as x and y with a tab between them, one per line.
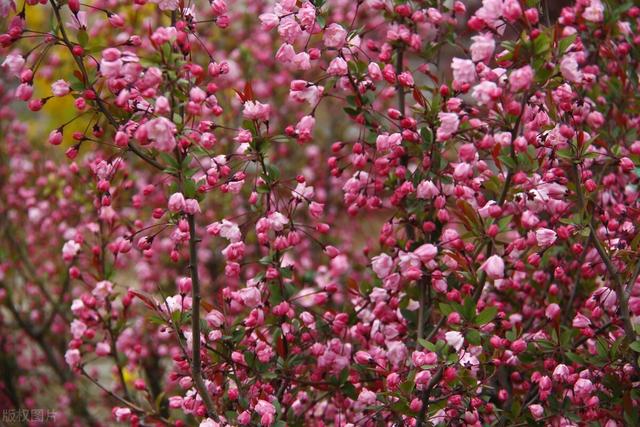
322	212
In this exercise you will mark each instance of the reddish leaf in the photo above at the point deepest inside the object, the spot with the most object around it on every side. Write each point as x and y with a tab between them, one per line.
280	347
208	307
419	97
248	91
145	299
261	335
431	76
241	95
495	153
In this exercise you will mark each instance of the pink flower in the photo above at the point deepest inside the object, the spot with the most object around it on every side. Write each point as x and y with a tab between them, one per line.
244	418
422	379
70	250
427	190
569	69
482	47
244	136
191	206
77	328
227	229
518	346
420	358
5	7
219	7
176	303
552	311
485	92
537	411
162	131
388	142
382	265
334	36
374	71
594	12
307	15
234	251
14	64
521	78
580	321
464	70
493	267
426	252
215	319
560	373
72	357
121	414
367	397
176	202
462	171
490	12
103	289
454	339
304	128
250	296
60	88
545	237
289	29
166	4
266	411
301	61
254	110
511	10
164	35
111	63
207	422
337	67
285	53
583	388
103	349
303	192
310	93
449	123
269	21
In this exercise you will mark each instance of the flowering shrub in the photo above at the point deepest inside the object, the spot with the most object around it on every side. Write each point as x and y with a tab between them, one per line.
322	212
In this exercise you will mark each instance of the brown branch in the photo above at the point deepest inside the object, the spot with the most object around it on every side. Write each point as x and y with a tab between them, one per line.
426	394
196	364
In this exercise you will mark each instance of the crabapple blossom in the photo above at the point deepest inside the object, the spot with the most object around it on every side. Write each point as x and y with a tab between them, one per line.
270	213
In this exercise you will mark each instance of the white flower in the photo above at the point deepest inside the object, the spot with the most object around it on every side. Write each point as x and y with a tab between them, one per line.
70	250
454	339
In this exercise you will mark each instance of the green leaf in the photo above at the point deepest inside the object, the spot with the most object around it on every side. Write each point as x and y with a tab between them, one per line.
365	287
486	315
473	336
189	189
635	346
469	309
507	161
564	44
575	358
445	309
541	44
426	344
427	135
83	38
349	390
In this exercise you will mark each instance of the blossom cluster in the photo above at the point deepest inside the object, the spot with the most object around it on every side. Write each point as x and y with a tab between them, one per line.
320	212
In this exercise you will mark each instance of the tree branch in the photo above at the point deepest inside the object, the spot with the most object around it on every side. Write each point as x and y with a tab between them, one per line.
196	364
